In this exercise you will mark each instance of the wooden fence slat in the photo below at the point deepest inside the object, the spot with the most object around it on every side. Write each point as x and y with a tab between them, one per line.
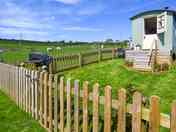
20	87
41	96
121	126
50	106
173	117
76	106
68	105
16	85
107	109
46	100
29	91
10	84
85	106
154	123
23	90
32	95
26	90
95	107
56	104
137	112
62	104
37	95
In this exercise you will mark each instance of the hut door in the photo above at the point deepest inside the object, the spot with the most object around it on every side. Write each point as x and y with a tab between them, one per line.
161	22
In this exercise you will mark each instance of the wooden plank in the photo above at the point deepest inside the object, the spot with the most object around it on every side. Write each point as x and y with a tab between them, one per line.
41	97
23	89
14	83
154	123
107	109
20	87
26	90
46	100
29	91
95	107
85	106
50	103
11	82
56	103
32	95
173	117
16	79
76	106
68	105
121	120
36	95
62	104
137	112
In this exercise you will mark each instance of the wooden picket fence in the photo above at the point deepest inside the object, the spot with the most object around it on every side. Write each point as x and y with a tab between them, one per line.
67	62
70	106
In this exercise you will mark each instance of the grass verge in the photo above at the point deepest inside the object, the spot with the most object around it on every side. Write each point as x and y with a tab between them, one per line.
12	119
114	73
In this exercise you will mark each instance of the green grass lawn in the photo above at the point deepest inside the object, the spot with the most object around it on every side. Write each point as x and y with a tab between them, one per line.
14	120
16	53
114	73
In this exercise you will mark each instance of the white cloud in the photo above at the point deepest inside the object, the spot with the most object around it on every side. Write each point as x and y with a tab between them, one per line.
88	29
15	19
24	31
69	1
16	16
21	23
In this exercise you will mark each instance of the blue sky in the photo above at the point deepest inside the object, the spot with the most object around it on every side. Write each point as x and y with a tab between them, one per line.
83	20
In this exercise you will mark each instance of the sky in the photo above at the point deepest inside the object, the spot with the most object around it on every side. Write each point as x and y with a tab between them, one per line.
76	20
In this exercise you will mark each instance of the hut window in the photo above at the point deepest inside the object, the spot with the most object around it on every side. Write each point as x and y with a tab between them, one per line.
151	25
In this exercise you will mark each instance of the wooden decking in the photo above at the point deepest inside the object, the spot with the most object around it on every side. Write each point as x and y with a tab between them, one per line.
141	59
144	59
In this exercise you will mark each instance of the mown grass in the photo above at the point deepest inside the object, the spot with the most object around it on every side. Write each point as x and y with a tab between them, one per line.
16	53
14	120
114	73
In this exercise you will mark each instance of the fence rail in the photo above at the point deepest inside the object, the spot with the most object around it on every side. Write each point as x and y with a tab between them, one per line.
60	105
62	63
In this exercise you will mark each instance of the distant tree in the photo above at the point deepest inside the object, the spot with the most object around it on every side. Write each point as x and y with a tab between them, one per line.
62	41
109	40
117	41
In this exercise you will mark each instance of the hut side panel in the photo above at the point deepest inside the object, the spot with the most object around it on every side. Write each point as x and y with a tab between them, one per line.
137	30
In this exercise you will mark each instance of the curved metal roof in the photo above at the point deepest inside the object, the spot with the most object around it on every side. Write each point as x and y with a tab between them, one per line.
152	11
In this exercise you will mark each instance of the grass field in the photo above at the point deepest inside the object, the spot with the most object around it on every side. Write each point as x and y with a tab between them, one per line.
114	73
14	120
16	52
